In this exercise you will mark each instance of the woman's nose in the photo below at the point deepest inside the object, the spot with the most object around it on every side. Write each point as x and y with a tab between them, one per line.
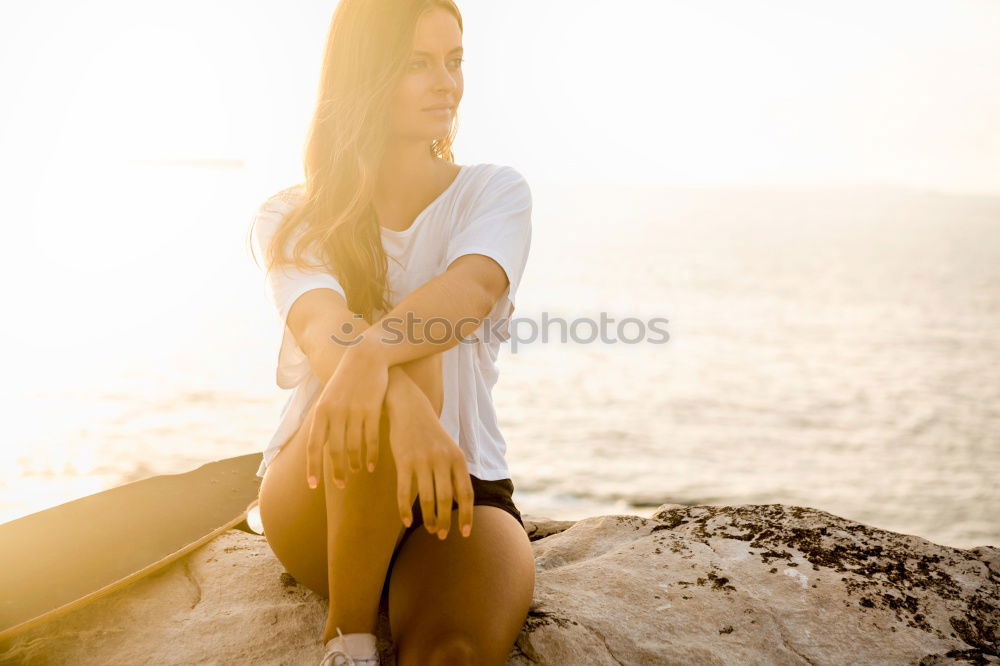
445	80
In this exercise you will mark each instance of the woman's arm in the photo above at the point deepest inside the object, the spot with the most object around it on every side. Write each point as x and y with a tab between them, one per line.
439	313
485	256
313	319
425	453
356	391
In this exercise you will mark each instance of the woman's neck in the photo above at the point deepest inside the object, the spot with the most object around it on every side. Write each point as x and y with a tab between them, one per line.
409	179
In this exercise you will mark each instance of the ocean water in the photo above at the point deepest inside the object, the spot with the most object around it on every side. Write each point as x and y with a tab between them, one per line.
832	348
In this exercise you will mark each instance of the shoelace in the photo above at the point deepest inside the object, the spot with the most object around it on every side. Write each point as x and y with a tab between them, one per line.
337	657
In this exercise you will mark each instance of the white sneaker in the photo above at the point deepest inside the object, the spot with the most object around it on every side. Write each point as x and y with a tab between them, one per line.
339	649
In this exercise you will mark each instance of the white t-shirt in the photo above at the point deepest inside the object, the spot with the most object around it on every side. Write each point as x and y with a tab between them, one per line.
486	210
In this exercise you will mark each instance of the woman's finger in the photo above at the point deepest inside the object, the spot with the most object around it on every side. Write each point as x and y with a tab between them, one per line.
352	440
464	495
425	484
444	492
335	448
404	484
314	447
371	429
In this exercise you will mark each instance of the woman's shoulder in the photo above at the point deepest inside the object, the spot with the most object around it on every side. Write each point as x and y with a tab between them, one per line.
488	177
488	171
495	183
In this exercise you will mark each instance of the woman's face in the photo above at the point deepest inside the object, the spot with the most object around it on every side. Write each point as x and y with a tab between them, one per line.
432	77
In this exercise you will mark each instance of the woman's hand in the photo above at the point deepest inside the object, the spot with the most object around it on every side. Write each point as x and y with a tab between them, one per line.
422	447
347	414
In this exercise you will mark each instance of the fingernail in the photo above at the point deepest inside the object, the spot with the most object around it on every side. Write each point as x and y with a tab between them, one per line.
371	467
442	534
407	521
466	530
340	484
312	481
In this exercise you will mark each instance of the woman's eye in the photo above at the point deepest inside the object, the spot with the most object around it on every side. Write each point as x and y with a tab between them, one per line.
418	64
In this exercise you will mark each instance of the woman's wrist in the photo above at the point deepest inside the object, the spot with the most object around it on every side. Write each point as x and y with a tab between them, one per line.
369	345
403	398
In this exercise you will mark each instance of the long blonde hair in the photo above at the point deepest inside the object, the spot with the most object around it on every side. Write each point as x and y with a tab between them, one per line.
367	46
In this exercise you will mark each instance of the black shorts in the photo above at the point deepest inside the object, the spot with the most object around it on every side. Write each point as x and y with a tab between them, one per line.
497	493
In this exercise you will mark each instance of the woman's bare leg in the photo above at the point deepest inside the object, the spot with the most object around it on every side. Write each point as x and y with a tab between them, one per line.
339	542
462	600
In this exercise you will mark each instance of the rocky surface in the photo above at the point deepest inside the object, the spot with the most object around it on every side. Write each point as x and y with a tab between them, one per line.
746	584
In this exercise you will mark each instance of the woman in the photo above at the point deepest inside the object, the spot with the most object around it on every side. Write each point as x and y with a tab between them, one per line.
391	423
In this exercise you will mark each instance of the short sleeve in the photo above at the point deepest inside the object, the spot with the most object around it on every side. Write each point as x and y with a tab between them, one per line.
498	226
284	285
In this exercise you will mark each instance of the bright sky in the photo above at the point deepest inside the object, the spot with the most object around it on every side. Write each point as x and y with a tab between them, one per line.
652	91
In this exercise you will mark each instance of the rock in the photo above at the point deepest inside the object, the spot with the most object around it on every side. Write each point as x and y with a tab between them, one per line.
746	584
756	584
227	602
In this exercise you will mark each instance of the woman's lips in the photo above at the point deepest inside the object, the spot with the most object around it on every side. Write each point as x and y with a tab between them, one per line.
443	111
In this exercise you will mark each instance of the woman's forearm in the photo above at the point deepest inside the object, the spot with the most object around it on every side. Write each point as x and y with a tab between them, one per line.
432	319
402	393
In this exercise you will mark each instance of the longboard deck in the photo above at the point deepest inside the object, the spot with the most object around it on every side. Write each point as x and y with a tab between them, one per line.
58	559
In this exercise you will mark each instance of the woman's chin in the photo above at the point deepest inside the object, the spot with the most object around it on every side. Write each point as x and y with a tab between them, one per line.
439	130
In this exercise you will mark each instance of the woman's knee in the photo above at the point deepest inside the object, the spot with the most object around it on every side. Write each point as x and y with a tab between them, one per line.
449	648
294	519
